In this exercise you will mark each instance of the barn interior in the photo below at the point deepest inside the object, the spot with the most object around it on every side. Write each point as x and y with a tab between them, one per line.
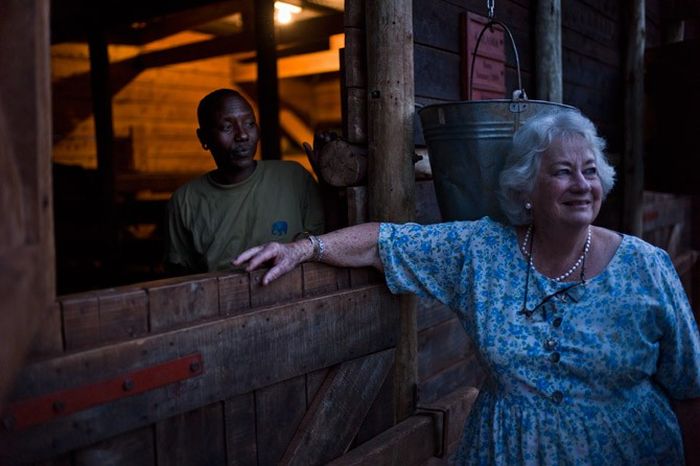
122	85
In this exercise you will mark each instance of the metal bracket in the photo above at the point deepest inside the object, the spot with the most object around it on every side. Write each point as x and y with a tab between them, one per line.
440	424
33	411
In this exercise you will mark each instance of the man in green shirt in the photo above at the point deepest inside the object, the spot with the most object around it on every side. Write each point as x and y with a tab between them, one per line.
243	202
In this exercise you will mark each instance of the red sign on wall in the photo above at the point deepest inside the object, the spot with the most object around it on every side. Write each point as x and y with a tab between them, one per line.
490	64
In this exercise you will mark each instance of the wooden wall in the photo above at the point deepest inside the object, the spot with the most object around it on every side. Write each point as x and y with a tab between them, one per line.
154	109
592	43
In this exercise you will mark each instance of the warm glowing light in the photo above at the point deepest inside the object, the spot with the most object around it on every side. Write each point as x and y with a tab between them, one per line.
284	12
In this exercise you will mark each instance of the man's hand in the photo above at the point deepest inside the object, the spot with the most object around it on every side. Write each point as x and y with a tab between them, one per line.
282	257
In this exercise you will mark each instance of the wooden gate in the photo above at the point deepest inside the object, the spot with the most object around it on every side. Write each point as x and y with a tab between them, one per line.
205	370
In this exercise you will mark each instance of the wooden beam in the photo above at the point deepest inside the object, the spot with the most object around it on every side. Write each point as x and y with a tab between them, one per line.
548	63
27	279
295	127
268	92
238	43
633	158
140	33
326	61
338	410
240	354
391	181
409	443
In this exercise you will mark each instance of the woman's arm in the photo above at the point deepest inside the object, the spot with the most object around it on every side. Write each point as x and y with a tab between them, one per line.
688	414
355	246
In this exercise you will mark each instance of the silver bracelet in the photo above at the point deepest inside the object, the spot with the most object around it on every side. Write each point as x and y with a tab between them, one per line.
319	248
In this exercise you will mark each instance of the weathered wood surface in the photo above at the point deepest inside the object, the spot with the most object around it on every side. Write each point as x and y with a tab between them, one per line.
268	93
136	448
194	437
408	443
26	231
280	409
173	304
633	161
239	415
391	178
338	409
343	164
548	64
441	346
465	372
240	354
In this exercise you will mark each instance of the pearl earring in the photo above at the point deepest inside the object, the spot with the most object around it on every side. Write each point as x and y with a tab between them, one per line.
528	205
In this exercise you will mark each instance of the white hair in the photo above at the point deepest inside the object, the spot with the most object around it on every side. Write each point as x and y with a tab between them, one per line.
517	180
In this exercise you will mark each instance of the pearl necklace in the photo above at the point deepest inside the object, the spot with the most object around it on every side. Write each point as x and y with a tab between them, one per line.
577	264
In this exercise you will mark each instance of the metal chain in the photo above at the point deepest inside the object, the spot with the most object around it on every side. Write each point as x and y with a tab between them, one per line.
490	4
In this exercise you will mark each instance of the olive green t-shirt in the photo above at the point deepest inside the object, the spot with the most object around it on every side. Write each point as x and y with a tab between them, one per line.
210	223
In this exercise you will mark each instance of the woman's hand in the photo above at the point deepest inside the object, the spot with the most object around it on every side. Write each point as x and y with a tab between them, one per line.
283	257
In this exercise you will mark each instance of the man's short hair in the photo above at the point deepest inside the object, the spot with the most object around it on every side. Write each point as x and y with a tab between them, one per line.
210	102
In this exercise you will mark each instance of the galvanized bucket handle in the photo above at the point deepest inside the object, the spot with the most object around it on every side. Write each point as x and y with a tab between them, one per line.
520	91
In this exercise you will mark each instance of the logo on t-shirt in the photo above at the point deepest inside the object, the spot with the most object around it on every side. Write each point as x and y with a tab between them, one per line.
279	228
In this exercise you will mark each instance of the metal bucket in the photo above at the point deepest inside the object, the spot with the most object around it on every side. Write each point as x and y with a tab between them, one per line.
468	143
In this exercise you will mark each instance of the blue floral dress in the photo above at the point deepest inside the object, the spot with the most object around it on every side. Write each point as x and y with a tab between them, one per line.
586	379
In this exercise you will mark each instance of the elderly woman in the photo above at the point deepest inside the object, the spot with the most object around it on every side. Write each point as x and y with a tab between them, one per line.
586	334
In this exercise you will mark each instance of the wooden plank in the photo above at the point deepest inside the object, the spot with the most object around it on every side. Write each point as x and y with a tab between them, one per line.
285	288
465	372
26	231
279	410
427	210
240	354
441	346
355	126
314	380
133	448
411	442
195	437
338	409
174	304
364	276
354	15
436	24
437	73
63	460
123	314
381	415
432	313
81	321
49	339
458	404
265	72
320	279
239	416
234	294
355	58
548	53
633	159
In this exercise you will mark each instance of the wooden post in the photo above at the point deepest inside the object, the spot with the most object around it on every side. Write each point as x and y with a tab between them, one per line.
548	65
26	231
102	111
391	184
268	93
634	119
